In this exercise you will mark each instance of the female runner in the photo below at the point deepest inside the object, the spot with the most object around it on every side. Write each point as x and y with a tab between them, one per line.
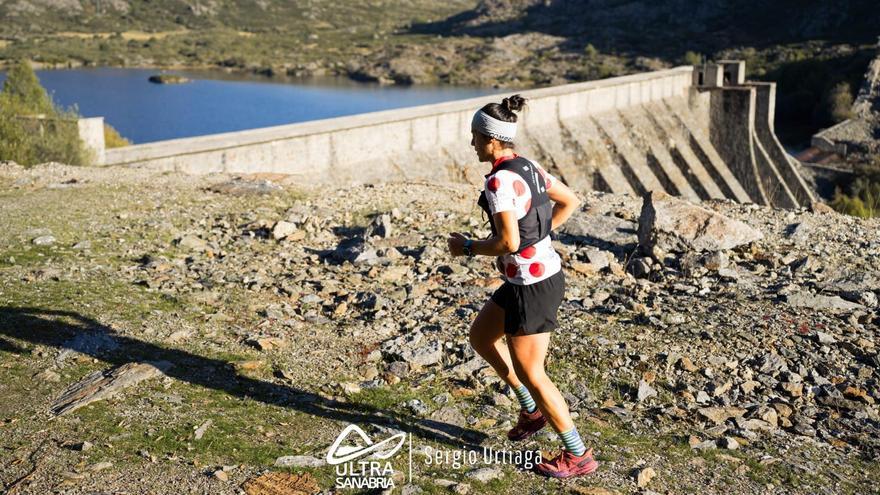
517	197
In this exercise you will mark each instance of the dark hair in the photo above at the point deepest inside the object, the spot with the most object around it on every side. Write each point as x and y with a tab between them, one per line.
504	111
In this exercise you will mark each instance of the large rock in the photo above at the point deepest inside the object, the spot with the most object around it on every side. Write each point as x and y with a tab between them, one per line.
605	231
103	384
675	225
804	299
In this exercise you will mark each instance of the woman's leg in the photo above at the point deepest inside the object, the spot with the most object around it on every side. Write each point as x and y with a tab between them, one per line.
485	336
528	353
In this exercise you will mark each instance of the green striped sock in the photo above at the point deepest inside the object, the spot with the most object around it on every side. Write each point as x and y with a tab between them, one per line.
525	398
572	441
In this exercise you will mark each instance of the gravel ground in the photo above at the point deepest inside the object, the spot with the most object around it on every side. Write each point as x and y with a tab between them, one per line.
285	312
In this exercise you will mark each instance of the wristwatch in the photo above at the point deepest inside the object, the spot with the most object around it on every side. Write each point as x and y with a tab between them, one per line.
467	247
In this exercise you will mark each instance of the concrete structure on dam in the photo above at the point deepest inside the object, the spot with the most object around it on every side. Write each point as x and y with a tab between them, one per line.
699	133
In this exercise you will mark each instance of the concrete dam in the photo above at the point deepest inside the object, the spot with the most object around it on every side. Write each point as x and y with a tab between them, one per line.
700	133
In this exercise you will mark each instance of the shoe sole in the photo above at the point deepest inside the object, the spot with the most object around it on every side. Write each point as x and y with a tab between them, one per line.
528	434
587	469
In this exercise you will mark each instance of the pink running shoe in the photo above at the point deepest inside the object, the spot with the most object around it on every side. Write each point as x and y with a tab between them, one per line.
566	465
527	425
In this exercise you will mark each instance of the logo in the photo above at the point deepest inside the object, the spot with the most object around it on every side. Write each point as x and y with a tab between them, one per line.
359	462
343	453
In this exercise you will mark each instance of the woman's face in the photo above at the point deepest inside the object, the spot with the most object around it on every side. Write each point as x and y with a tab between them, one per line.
483	145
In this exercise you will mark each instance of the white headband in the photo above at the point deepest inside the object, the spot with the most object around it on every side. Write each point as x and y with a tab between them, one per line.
492	127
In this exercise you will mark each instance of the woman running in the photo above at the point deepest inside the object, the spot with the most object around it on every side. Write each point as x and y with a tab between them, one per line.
516	197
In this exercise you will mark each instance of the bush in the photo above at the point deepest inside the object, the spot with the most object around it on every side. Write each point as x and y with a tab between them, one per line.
591	52
692	58
112	138
23	88
863	199
32	129
838	102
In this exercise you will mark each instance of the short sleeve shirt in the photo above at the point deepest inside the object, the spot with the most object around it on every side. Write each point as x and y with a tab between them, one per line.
506	191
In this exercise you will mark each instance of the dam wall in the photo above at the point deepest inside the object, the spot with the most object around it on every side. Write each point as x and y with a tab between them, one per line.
699	133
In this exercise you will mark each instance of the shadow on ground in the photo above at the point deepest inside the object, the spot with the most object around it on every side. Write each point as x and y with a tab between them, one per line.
71	331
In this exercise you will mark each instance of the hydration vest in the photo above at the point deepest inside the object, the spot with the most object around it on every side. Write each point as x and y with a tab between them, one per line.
536	223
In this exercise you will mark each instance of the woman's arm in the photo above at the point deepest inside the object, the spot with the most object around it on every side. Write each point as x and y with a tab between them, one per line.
566	202
505	242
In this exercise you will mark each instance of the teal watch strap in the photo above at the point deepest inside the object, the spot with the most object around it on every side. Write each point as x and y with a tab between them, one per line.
467	247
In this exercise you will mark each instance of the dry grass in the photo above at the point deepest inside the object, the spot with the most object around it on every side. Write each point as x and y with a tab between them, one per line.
126	35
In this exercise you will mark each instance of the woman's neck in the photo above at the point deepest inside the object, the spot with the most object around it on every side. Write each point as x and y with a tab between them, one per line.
505	152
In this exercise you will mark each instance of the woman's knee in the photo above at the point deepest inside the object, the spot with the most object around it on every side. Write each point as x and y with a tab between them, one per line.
532	377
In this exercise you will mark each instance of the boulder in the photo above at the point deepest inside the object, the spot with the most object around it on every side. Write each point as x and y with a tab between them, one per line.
675	225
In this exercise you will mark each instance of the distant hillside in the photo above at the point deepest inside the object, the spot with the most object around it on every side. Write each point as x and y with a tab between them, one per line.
670	26
814	49
50	16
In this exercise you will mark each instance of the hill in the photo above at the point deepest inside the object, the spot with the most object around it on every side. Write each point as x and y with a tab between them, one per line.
810	47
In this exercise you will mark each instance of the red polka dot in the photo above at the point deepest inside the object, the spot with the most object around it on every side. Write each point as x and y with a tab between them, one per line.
519	188
528	252
528	205
493	184
536	269
511	270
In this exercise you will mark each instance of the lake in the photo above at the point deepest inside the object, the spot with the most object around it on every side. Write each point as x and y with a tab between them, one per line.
216	101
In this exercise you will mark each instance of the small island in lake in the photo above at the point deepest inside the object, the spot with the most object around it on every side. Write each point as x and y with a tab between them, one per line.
168	79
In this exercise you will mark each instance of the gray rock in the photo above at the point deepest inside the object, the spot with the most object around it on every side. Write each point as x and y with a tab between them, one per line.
427	355
193	243
729	443
602	229
417	407
399	369
598	258
298	461
44	240
676	225
640	267
283	229
366	256
645	391
380	227
771	362
485	474
822	302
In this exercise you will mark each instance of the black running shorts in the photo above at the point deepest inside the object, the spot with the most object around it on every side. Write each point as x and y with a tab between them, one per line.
531	307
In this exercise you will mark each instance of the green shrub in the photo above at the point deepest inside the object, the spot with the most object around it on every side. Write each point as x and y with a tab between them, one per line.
838	102
112	138
692	58
22	87
863	199
591	52
32	129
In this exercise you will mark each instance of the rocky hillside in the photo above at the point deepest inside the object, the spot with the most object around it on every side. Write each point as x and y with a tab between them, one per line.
50	16
671	27
164	330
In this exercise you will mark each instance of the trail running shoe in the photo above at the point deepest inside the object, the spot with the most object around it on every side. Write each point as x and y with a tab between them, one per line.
527	425
566	465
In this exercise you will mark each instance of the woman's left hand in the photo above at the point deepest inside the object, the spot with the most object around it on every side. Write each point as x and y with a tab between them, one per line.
455	241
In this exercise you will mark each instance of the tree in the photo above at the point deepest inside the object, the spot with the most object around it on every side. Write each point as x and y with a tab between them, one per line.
22	88
839	102
32	129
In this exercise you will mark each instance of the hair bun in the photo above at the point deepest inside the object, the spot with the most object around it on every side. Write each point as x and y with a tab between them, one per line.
513	103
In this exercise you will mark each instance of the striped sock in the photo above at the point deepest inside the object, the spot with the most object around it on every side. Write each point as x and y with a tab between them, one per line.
525	398
572	441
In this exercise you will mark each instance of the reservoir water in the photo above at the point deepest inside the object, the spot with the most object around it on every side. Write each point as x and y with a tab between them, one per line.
218	102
